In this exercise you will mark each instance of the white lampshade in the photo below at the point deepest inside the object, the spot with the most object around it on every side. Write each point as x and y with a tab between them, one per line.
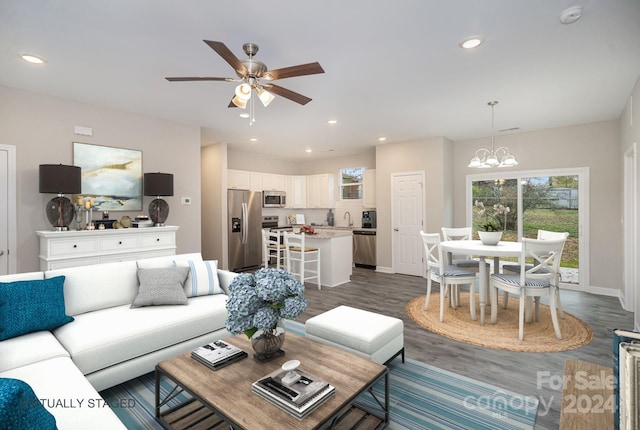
239	102
475	162
265	96
509	160
243	92
492	160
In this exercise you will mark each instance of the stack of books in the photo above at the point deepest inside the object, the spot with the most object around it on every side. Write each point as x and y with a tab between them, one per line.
217	354
298	399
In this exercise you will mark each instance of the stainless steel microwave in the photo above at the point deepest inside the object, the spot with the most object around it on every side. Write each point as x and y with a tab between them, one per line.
274	199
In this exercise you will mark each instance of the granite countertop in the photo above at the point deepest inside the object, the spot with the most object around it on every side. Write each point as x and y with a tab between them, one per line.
329	234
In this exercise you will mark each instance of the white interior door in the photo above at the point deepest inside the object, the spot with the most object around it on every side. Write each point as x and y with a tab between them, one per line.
8	239
407	218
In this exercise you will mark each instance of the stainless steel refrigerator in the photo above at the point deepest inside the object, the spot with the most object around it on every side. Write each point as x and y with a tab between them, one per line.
244	225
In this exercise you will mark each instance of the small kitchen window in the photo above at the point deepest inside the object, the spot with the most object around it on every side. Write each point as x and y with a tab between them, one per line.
351	183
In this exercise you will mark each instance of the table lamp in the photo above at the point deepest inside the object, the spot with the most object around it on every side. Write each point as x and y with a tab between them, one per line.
158	184
60	179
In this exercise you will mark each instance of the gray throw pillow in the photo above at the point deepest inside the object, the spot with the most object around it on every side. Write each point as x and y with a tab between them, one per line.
161	286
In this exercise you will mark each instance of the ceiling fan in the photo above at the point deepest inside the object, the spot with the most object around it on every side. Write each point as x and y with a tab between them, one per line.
254	75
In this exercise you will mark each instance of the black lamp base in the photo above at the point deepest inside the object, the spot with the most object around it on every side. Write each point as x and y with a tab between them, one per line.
60	213
158	212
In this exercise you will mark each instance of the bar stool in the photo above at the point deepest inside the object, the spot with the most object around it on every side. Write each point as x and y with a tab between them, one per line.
272	248
298	257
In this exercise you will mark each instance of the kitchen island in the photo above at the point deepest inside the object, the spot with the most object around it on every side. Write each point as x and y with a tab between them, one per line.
336	255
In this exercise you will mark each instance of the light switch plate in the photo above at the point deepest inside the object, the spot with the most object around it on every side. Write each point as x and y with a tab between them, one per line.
186	200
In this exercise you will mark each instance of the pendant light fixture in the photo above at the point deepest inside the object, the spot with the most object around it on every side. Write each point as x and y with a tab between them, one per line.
494	157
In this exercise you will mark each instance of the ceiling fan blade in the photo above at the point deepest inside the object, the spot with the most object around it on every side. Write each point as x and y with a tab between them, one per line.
288	94
290	72
194	78
228	56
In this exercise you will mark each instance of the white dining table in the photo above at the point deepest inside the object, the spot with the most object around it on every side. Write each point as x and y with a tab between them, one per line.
478	249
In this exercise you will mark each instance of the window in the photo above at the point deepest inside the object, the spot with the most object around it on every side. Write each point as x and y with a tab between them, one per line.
351	183
554	200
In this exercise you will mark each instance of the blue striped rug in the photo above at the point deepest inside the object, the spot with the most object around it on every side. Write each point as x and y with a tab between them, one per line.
421	397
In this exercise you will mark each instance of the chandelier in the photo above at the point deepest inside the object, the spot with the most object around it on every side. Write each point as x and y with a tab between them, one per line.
494	157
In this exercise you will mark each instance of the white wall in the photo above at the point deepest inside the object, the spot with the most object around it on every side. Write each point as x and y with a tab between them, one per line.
41	128
214	194
594	145
630	134
428	155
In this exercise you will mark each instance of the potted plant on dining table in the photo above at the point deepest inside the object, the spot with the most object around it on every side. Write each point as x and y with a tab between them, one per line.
492	222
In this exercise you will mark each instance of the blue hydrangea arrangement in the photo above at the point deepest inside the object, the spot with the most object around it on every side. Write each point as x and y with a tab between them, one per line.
258	301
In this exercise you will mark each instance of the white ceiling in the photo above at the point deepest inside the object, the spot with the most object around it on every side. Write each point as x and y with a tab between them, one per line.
393	68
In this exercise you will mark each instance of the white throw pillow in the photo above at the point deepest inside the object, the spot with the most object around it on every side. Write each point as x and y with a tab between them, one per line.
202	279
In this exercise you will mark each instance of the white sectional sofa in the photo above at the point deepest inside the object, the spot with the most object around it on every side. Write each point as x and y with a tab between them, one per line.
109	342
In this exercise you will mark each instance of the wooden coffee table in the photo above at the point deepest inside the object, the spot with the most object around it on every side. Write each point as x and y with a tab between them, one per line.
224	398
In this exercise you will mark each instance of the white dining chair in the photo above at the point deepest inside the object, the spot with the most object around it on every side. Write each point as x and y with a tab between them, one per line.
539	280
448	276
272	248
466	262
461	233
299	257
515	268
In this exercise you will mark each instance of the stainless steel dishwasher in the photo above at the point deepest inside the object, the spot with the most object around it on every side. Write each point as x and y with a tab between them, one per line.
364	248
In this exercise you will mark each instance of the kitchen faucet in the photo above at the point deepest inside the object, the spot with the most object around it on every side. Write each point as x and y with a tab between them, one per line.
345	216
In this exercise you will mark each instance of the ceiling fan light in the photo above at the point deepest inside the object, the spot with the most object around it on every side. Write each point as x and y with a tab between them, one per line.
265	97
243	92
241	103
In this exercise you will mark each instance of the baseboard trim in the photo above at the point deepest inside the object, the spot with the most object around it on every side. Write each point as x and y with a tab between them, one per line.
384	269
604	291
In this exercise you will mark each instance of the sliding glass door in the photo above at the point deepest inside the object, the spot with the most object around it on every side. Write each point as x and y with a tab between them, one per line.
554	200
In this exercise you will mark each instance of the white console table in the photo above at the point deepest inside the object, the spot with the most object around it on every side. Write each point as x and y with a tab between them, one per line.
60	249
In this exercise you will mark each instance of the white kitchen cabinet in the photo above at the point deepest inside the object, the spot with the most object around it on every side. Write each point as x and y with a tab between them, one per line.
60	249
297	192
320	191
238	179
244	180
273	182
369	188
255	181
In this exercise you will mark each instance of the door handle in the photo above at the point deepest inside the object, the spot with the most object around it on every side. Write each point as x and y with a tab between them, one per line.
244	223
1	252
396	229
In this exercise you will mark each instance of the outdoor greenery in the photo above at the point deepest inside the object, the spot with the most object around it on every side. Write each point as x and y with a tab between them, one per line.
546	205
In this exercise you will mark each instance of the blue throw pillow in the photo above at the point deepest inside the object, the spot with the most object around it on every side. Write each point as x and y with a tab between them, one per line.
28	306
20	408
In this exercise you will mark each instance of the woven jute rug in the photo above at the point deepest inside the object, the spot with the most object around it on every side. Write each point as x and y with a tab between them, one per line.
538	336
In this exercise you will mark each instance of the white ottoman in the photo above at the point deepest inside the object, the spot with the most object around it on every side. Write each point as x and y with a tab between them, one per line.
377	337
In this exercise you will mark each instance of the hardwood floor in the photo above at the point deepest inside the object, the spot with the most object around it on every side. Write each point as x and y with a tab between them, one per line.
525	373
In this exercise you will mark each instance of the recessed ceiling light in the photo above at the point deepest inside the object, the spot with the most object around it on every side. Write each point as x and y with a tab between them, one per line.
382	139
34	59
307	150
244	115
332	121
571	15
471	42
253	139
